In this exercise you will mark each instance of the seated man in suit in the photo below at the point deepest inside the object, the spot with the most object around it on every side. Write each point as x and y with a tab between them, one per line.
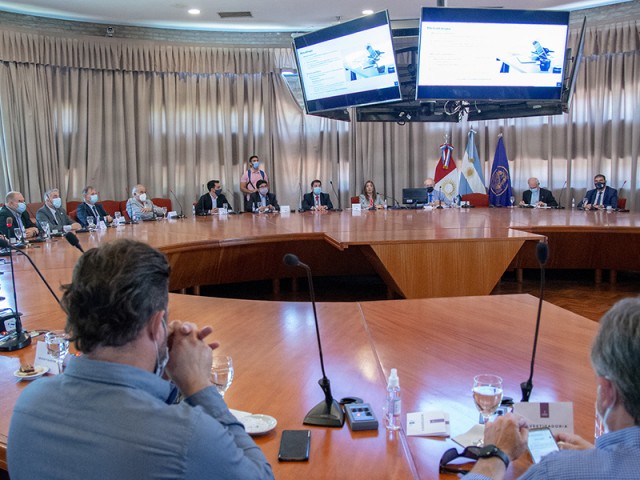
536	196
113	414
435	198
262	201
211	201
141	207
53	213
316	200
601	196
16	209
91	208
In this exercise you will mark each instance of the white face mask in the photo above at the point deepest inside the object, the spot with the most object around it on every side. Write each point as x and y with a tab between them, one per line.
143	197
604	416
57	202
162	357
264	191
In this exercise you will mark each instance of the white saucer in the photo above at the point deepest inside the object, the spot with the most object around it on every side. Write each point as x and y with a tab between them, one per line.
258	424
39	371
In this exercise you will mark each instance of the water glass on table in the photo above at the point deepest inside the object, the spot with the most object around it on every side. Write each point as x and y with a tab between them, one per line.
57	346
221	372
487	394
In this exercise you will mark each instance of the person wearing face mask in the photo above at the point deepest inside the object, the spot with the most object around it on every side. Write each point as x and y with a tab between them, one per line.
263	201
601	196
316	200
435	198
615	358
113	415
53	213
249	179
91	208
140	205
537	196
16	209
211	201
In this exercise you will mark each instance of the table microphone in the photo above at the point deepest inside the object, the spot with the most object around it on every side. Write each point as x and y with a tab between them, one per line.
339	209
73	240
328	412
179	204
19	339
542	254
396	204
440	198
560	197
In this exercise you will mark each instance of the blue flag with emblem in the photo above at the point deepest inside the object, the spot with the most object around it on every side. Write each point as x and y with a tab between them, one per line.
500	186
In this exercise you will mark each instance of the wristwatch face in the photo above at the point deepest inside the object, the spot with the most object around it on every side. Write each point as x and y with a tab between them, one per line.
493	451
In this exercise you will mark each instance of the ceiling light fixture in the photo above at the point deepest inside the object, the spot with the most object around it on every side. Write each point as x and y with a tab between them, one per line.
193	11
367	12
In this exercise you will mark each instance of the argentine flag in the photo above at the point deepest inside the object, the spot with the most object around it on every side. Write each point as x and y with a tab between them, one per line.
471	176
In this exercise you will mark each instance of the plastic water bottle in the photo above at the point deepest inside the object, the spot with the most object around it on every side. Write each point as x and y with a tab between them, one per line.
193	210
393	404
573	203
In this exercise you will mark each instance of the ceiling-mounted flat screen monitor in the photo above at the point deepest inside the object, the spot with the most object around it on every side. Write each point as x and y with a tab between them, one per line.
349	64
491	54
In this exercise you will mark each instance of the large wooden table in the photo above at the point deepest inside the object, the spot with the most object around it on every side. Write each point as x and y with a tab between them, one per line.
437	344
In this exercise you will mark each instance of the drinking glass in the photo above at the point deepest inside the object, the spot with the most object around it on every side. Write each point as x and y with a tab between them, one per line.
512	199
221	372
57	346
18	232
164	212
117	218
91	223
487	394
46	229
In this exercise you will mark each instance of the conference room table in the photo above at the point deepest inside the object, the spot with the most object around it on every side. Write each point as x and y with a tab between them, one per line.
437	344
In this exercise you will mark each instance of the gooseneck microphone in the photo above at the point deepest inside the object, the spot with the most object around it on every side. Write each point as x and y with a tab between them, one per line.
440	198
542	254
73	240
179	204
560	196
328	412
339	209
396	204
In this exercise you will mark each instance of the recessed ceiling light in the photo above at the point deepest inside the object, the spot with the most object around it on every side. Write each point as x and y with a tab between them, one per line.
367	12
193	11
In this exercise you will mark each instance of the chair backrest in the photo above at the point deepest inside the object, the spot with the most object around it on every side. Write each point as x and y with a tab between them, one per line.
480	200
111	206
123	210
355	199
32	208
622	203
162	202
72	206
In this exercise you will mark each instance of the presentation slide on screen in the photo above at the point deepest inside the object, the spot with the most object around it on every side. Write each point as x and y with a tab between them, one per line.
354	63
497	54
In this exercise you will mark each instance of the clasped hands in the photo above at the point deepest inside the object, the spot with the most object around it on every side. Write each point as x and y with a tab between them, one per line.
189	365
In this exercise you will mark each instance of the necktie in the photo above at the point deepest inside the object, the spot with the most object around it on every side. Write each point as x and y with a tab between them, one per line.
430	197
56	218
317	200
599	199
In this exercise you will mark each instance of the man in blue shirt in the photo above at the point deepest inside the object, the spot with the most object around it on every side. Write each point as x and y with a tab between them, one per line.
111	415
615	357
435	197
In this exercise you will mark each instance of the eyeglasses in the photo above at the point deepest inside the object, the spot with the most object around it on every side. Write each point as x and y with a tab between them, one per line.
452	454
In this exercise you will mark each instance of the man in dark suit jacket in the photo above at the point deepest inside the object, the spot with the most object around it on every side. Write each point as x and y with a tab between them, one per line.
316	200
53	213
262	200
206	202
16	209
544	196
601	196
91	207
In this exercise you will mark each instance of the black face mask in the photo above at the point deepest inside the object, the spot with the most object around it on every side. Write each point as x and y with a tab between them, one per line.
429	189
218	192
600	185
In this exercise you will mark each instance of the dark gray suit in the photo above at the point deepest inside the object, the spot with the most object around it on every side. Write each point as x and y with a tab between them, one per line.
60	219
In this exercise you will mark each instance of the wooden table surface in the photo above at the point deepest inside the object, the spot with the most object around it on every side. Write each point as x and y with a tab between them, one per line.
437	344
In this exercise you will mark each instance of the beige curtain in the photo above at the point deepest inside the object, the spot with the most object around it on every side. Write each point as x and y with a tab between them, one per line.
114	113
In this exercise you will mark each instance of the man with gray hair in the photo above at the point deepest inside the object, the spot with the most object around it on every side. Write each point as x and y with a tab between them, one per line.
111	414
53	214
615	357
140	207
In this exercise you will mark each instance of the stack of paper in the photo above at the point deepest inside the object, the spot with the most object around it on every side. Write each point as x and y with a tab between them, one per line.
428	424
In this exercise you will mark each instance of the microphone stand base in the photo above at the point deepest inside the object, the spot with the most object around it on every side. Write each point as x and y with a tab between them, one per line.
325	415
15	341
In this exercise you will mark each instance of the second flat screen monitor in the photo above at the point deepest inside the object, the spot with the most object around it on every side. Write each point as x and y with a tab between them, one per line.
489	54
346	65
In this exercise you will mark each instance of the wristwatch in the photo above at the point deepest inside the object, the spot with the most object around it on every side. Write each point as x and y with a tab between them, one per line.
493	451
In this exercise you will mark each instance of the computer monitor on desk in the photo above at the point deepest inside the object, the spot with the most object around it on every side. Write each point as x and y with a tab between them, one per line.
414	197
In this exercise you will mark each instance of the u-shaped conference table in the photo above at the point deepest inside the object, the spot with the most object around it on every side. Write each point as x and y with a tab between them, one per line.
437	344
